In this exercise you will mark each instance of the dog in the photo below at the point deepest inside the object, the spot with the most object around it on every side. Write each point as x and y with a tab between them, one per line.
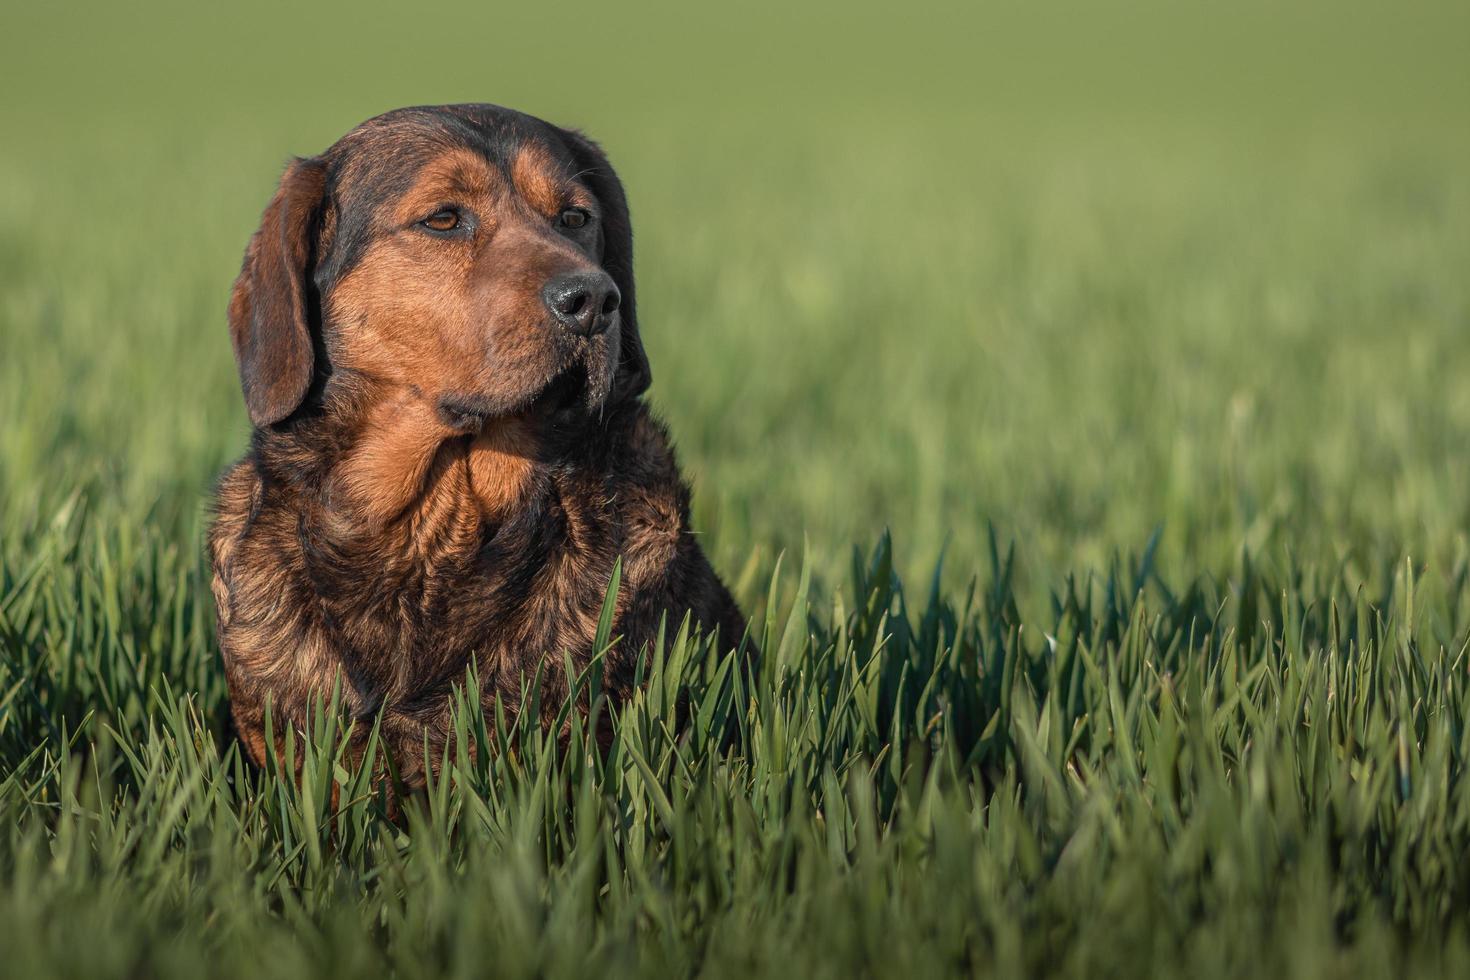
438	347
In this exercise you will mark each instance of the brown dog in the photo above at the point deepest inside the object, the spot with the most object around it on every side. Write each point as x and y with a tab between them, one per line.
438	347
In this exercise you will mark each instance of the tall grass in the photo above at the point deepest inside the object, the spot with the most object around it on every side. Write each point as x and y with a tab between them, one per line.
1268	774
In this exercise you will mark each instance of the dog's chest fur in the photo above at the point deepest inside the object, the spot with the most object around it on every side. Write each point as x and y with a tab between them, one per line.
500	556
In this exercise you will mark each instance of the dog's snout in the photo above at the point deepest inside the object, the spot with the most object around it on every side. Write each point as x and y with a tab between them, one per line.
583	302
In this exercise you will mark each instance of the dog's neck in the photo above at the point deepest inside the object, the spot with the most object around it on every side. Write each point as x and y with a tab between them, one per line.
383	459
404	456
393	518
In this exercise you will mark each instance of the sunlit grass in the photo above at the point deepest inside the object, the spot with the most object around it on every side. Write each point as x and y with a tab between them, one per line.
1166	777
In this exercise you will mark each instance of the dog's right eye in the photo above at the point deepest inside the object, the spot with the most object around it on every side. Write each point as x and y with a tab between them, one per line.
445	220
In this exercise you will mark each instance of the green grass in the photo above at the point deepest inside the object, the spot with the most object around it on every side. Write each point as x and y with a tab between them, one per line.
1142	329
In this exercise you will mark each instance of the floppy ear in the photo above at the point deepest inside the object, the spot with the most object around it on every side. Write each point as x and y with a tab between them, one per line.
269	307
634	376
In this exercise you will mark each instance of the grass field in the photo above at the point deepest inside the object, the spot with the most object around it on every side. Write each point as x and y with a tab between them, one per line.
1096	378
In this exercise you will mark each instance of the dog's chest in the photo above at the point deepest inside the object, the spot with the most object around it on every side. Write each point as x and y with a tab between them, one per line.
458	589
306	591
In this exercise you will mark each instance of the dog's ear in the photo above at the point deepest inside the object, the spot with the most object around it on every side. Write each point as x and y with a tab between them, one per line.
269	309
593	169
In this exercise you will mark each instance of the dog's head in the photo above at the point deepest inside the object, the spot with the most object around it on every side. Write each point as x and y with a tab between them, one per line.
470	254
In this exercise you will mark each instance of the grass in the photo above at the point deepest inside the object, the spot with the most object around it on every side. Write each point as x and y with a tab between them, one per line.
1141	330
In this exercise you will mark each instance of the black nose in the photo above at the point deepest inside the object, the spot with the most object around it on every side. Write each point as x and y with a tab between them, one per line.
583	302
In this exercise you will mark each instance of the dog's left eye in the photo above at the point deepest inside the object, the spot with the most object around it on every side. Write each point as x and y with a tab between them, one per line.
446	220
573	218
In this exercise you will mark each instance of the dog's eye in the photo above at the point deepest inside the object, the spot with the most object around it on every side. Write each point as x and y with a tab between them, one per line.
573	218
446	220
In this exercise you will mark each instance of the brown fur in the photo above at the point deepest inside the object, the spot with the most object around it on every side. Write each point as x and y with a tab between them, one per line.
439	475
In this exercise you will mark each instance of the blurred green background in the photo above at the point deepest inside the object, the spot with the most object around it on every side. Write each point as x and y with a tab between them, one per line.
1076	272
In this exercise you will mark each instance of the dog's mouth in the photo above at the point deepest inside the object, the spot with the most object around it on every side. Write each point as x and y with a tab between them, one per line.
568	391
